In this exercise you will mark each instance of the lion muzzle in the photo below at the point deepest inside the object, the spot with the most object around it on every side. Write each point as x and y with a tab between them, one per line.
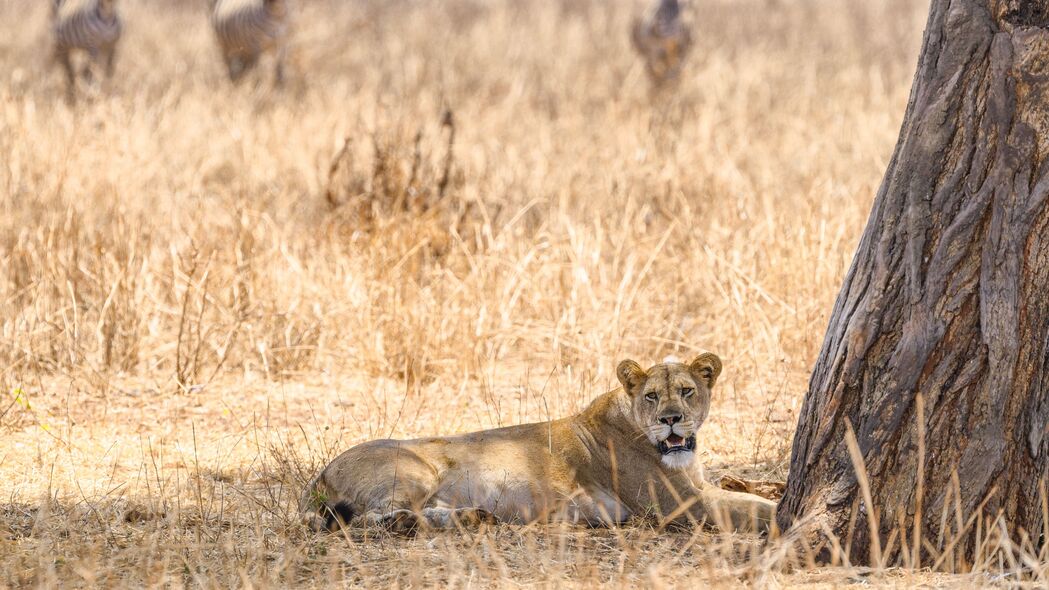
675	443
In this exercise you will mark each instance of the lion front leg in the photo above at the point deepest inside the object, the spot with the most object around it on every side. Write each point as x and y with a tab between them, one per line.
735	511
683	503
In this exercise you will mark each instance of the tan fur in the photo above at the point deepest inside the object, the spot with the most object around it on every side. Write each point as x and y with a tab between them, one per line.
599	467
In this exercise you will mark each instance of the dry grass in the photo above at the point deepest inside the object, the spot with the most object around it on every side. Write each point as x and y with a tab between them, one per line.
196	311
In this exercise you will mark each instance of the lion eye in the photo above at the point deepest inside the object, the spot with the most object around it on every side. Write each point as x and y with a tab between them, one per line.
651	396
687	391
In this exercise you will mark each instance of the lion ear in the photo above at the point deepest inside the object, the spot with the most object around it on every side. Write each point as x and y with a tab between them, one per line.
630	374
707	367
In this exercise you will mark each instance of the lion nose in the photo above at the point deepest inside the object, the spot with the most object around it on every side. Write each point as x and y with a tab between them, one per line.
670	420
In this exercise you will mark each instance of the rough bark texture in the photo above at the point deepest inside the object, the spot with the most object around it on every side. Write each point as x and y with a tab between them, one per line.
948	295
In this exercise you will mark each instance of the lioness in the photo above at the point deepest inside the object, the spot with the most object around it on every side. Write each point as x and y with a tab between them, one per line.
626	454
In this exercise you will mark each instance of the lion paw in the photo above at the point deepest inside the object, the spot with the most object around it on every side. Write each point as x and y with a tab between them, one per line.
475	517
401	522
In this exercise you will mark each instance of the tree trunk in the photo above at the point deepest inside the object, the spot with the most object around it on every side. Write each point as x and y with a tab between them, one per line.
946	305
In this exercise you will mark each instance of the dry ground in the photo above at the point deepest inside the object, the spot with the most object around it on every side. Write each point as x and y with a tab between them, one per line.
195	314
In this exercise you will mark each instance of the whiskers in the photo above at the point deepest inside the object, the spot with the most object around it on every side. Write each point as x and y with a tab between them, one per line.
684	429
657	432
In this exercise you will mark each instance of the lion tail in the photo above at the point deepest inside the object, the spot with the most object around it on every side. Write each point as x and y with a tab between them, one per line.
321	512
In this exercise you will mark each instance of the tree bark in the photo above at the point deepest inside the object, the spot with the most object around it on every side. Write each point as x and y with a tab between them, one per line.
947	298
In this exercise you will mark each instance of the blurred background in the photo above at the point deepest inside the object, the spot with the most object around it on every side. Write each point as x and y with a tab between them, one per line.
453	215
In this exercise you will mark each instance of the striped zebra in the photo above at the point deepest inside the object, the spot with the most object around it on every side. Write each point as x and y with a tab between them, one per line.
246	29
663	39
91	26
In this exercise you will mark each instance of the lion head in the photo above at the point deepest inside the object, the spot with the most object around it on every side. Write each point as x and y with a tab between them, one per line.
670	401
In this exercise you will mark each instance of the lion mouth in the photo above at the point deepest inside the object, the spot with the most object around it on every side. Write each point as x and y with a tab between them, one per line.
677	444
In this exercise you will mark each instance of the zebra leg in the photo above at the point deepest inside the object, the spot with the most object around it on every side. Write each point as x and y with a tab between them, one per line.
66	62
111	56
278	68
235	67
249	63
239	65
93	59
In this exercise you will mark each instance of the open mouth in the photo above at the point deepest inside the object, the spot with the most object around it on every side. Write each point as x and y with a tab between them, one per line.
676	444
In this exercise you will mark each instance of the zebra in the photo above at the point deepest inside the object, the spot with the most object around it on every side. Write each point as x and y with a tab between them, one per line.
663	39
248	28
91	26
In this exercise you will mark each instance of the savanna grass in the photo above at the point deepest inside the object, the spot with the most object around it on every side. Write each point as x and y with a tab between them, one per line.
455	215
